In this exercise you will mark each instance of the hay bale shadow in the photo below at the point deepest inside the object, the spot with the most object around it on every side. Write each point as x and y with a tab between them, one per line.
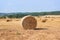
40	28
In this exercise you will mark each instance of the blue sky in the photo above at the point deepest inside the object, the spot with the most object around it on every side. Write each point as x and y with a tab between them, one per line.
29	5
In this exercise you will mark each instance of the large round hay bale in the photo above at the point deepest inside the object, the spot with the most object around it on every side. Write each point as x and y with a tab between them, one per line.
29	22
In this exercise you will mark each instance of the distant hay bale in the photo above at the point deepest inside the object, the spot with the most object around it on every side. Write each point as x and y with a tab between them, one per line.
28	22
44	20
17	20
8	20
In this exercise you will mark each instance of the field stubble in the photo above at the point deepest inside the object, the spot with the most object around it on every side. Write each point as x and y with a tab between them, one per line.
47	29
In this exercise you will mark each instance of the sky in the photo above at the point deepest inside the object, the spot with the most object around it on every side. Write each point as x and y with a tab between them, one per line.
7	6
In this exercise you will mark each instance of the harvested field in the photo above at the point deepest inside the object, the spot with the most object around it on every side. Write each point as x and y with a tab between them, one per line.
48	28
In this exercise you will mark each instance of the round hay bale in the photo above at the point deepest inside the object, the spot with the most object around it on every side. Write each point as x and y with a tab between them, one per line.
8	20
29	22
44	20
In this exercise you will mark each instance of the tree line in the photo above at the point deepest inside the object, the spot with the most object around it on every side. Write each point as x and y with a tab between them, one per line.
20	14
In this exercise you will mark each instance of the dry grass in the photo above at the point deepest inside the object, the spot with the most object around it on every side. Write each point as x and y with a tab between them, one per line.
47	30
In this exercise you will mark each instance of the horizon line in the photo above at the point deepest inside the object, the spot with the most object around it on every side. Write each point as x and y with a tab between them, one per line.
28	12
